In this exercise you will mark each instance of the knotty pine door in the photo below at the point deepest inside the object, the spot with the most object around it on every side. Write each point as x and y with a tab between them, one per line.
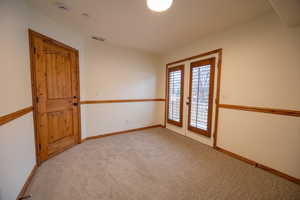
55	94
191	98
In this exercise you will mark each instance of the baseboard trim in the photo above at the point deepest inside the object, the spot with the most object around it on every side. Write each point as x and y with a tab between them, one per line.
27	182
120	132
261	166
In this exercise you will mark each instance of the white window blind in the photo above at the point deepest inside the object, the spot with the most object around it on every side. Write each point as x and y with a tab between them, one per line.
175	78
200	97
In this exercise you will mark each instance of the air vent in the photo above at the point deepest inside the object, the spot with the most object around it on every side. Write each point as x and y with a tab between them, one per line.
61	6
85	15
98	38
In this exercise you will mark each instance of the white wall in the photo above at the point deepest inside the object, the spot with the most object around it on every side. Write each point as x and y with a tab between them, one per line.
260	68
120	73
17	153
136	74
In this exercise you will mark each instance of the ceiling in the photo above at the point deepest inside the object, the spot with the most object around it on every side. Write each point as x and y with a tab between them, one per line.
130	23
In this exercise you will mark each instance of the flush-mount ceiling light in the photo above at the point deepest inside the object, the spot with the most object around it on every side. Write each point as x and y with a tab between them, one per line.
159	5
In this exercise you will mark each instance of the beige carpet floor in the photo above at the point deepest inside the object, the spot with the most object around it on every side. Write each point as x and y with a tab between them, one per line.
154	164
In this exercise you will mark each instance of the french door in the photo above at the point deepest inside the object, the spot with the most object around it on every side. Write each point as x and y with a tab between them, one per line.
200	100
190	98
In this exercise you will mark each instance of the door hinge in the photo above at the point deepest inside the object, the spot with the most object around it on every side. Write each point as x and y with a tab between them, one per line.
37	99
34	50
40	146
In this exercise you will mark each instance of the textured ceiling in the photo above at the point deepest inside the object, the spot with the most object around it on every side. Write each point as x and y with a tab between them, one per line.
130	23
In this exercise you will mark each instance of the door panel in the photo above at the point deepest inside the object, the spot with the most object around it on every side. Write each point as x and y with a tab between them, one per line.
60	125
55	77
201	96
58	68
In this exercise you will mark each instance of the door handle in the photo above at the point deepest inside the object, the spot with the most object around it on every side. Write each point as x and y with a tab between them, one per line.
187	101
75	104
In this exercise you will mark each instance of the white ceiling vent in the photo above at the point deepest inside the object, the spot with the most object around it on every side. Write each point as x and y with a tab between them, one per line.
85	15
98	38
61	6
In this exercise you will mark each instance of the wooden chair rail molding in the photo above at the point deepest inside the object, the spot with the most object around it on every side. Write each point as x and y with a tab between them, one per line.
7	118
118	101
294	113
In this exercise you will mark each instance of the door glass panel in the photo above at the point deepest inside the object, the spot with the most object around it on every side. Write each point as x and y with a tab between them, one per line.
200	97
175	95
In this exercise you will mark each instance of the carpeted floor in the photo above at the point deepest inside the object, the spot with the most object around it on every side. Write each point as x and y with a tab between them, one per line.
153	164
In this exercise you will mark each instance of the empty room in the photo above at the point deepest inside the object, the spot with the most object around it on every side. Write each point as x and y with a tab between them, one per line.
150	100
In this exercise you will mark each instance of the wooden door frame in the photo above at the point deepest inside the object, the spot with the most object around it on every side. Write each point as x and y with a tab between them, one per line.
217	101
170	69
32	34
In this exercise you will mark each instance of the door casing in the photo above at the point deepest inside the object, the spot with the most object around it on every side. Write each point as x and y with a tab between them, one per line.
217	53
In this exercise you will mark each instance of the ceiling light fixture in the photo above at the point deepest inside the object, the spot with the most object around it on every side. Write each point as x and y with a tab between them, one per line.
159	5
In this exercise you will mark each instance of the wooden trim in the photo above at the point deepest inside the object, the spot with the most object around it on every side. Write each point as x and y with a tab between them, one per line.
211	62
215	135
171	69
261	166
121	132
294	113
278	173
195	57
166	96
9	117
27	182
236	156
48	39
34	95
118	101
32	34
78	96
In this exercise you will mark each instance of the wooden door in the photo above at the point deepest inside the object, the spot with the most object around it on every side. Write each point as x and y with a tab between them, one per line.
55	94
201	89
